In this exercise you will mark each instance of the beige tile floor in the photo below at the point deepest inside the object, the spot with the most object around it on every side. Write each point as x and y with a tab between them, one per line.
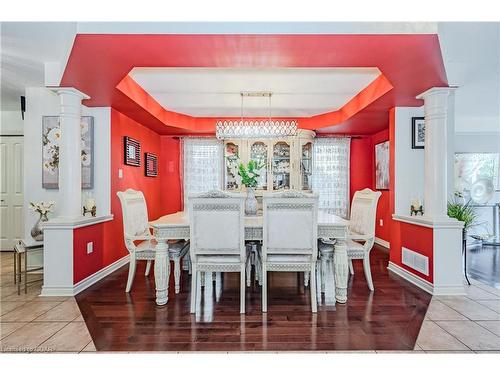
29	323
463	324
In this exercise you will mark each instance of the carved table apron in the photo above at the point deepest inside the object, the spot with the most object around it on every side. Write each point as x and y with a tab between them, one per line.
176	227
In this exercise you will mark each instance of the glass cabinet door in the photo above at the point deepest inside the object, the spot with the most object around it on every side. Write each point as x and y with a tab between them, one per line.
258	153
306	166
280	165
231	160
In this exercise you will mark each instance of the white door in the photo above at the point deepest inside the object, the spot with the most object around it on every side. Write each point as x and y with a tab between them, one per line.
11	191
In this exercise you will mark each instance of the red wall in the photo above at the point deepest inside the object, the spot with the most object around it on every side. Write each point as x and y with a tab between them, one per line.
383	209
85	264
363	176
361	164
170	174
108	237
416	238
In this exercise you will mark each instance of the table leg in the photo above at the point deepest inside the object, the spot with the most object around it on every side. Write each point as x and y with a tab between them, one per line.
19	273
341	271
162	271
15	267
25	272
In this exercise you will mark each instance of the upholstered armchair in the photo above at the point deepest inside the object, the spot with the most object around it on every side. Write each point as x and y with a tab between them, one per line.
290	238
138	238
217	235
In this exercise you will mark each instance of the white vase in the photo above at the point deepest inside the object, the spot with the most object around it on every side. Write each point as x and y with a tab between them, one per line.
250	202
37	231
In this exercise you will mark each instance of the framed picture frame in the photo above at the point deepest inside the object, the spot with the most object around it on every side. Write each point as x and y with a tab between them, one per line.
382	166
132	151
418	132
150	165
51	135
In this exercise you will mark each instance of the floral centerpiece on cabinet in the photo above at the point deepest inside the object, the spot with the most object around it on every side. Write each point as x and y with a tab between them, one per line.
249	177
43	208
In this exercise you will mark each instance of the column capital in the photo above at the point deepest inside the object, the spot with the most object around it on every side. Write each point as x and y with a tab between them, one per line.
69	91
436	91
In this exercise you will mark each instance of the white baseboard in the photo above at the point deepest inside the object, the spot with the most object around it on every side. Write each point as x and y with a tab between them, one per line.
99	275
449	291
68	291
414	279
62	291
381	242
425	285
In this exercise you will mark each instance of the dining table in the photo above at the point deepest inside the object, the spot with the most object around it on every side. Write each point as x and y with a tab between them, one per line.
176	227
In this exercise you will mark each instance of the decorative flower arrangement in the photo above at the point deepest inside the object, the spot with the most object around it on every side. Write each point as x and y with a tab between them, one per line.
43	208
51	141
249	173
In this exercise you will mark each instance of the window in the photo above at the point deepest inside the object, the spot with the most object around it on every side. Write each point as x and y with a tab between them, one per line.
202	166
470	167
330	178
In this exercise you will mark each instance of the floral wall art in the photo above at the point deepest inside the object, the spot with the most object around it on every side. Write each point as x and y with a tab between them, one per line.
51	136
382	166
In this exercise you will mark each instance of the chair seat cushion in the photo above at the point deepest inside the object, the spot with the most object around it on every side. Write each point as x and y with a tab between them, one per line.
145	250
353	245
288	258
218	259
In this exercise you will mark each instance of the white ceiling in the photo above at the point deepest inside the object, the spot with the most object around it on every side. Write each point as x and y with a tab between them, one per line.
215	92
471	54
25	47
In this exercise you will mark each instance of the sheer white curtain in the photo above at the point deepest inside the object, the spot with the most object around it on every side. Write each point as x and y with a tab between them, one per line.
331	174
202	163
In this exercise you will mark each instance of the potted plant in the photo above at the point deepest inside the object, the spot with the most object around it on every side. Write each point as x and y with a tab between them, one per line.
466	213
249	177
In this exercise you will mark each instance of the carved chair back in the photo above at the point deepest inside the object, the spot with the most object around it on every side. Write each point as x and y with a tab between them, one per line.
290	224
364	211
216	221
135	213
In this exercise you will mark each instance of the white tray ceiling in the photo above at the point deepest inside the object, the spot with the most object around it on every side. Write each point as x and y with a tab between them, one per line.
215	92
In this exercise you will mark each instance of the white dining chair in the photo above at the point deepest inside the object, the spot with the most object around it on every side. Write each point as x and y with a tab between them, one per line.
217	234
138	238
290	238
361	234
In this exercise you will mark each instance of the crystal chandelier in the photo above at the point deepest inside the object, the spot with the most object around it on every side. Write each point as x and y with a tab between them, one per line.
255	129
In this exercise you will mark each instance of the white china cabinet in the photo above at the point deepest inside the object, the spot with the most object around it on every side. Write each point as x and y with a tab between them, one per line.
287	161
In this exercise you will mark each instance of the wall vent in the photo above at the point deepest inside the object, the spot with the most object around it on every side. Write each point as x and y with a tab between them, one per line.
415	260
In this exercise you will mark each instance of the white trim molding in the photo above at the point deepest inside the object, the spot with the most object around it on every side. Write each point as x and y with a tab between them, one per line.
381	242
412	278
68	291
83	221
99	275
429	223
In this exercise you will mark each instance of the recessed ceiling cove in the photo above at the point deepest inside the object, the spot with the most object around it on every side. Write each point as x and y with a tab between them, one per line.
215	92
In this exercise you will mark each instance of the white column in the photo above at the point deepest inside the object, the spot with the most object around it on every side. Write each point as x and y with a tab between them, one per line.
70	165
436	152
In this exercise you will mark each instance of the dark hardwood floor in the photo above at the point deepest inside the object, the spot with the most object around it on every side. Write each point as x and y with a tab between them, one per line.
483	264
387	319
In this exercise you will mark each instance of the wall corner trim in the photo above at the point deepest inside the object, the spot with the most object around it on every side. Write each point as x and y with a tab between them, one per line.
381	242
85	283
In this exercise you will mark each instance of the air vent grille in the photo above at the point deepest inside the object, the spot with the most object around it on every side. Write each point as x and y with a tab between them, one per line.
415	260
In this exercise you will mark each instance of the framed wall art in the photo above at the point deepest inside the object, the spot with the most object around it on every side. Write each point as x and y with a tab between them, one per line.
132	152
51	137
151	165
417	132
382	166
